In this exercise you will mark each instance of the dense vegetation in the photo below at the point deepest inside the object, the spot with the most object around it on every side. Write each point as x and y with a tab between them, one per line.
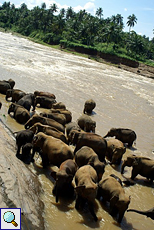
81	29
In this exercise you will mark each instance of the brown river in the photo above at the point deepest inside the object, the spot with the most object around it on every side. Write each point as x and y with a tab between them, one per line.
123	99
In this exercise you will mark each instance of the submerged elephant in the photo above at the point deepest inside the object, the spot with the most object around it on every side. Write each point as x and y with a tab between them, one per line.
86	188
86	123
148	213
111	190
115	150
53	151
89	106
125	135
5	85
85	156
45	121
63	179
44	102
92	140
20	114
15	94
46	94
48	130
141	165
27	101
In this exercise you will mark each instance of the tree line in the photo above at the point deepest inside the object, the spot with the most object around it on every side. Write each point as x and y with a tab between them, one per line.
68	27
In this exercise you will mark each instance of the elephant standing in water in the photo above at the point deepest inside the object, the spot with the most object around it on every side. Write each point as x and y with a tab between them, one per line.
20	114
86	123
141	165
89	106
5	85
148	213
111	190
15	94
125	135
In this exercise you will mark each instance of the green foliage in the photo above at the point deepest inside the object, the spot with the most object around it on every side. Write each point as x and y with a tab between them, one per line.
80	31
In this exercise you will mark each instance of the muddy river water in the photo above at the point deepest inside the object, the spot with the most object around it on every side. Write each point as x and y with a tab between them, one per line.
123	99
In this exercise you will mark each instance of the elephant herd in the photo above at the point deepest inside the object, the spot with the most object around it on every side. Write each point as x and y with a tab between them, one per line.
73	146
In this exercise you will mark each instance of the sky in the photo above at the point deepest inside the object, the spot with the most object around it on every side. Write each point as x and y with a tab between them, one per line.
143	10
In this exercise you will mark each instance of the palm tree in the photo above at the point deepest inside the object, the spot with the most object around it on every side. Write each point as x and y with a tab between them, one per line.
99	12
131	21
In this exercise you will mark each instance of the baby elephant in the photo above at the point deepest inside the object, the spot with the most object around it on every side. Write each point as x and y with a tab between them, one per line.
112	191
125	135
63	185
86	188
89	106
141	165
86	123
85	156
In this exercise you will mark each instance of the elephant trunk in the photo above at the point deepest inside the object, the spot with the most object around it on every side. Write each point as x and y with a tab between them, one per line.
137	211
123	166
106	135
57	194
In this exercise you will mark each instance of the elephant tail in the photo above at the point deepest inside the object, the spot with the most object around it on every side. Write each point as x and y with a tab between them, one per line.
137	211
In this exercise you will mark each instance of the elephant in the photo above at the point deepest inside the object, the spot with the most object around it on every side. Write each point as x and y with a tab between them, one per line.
63	179
66	112
72	126
86	123
46	94
44	102
26	156
48	130
45	121
87	156
115	150
148	213
55	116
53	150
89	106
111	191
92	140
27	101
23	137
59	105
15	94
141	165
86	188
20	114
125	135
5	85
0	104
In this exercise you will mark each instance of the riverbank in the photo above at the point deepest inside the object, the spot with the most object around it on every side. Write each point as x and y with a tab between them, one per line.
20	188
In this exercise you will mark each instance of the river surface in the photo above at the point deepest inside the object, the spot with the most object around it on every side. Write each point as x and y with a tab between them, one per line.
123	99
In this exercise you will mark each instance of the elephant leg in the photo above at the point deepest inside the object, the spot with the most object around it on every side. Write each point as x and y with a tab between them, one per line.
134	174
80	201
91	209
18	150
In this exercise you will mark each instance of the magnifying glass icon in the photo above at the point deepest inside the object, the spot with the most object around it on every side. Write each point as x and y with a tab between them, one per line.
9	217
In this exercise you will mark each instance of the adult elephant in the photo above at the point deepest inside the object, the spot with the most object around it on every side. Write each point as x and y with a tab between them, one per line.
141	165
115	150
5	85
89	106
125	135
46	94
55	116
59	105
148	213
27	101
44	102
72	126
86	123
20	114
67	113
63	179
53	151
92	140
45	121
112	191
48	130
15	94
87	156
86	188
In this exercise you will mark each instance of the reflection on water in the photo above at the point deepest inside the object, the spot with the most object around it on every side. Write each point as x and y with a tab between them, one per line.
123	99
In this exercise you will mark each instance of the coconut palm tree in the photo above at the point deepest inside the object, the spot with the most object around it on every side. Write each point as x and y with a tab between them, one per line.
132	19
